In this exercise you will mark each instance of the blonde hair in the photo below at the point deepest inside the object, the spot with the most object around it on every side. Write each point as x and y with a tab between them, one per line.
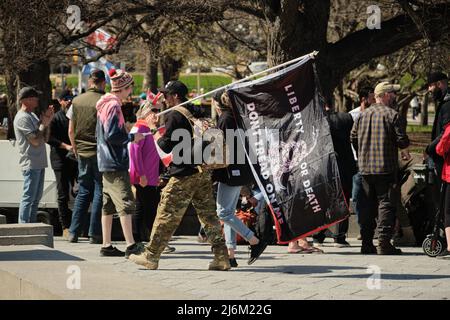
144	111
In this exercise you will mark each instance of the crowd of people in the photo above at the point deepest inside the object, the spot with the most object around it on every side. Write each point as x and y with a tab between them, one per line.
118	169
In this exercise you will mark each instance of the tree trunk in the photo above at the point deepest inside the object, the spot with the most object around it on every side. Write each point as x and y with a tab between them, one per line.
37	76
296	28
171	68
424	111
151	73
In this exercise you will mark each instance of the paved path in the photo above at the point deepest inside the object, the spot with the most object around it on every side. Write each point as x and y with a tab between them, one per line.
340	273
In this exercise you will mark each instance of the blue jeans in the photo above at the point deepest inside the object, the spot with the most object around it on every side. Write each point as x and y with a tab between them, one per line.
33	187
89	189
227	199
359	198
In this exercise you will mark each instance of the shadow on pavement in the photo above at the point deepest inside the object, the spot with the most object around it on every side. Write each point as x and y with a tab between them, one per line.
300	269
37	255
391	276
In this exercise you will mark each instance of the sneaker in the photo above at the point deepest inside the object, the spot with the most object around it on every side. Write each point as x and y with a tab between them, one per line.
341	243
233	263
136	248
144	259
443	255
111	252
255	251
370	249
95	240
169	249
72	238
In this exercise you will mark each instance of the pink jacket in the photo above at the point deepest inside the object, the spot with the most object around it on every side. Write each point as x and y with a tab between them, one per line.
443	149
144	158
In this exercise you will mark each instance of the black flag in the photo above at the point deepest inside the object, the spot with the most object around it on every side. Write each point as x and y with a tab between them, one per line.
289	139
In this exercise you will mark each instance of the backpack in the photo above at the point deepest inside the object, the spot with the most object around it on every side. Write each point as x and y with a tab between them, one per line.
199	129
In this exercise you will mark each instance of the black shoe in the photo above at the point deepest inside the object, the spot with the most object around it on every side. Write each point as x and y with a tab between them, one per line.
95	240
444	255
386	248
72	238
136	248
256	250
341	243
370	249
111	252
233	263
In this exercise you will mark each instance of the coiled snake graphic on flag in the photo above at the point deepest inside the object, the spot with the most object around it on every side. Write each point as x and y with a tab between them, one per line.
288	155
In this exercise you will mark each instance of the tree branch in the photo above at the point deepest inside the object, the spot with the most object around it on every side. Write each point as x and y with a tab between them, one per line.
362	46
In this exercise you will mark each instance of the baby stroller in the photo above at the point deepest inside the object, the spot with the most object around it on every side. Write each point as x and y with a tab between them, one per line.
435	242
417	207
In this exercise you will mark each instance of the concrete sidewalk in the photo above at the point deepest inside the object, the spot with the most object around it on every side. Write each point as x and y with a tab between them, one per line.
340	273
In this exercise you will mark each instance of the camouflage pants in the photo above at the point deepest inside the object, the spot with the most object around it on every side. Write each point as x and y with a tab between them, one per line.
175	199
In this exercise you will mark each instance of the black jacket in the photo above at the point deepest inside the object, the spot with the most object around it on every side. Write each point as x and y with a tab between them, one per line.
442	117
235	174
59	134
340	127
175	120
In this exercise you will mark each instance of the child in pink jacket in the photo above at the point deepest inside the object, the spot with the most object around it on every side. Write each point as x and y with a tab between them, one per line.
144	175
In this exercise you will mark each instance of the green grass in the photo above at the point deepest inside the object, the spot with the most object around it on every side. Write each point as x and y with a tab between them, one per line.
420	129
207	81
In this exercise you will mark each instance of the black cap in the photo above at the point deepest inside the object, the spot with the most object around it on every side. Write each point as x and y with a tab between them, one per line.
28	92
66	95
436	76
175	87
97	74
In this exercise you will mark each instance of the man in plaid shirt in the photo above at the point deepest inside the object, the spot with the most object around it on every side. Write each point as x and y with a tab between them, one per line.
376	136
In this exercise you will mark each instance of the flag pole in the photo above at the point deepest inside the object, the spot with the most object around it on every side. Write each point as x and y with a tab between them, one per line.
309	55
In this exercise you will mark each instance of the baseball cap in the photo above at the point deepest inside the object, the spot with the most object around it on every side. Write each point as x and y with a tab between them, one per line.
175	87
28	92
436	76
384	87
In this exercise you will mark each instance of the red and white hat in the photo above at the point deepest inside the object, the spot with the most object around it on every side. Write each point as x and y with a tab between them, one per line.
120	80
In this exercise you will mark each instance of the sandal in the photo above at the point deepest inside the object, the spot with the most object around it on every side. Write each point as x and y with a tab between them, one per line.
306	250
294	251
312	250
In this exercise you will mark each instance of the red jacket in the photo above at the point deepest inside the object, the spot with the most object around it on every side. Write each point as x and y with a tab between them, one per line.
443	149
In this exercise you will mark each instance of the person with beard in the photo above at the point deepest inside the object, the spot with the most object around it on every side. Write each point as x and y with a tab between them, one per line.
376	136
438	86
188	183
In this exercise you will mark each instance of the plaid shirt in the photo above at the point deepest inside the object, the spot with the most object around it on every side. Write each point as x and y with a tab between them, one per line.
376	136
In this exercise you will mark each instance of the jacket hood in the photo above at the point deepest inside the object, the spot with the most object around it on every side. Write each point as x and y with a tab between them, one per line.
109	106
